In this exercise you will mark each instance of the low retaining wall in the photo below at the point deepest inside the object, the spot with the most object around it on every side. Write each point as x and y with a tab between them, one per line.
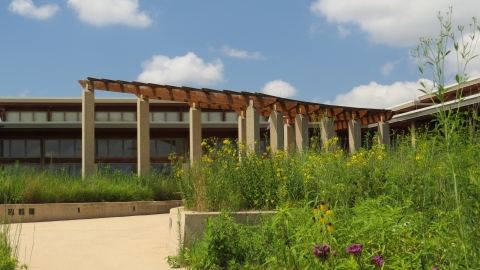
24	213
190	225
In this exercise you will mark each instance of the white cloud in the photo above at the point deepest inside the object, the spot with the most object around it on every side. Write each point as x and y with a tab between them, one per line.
387	68
314	29
343	31
279	88
397	23
109	12
24	93
379	96
242	53
27	8
181	70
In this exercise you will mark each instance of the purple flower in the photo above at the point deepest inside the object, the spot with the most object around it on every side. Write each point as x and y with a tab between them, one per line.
377	260
355	249
435	268
321	252
335	253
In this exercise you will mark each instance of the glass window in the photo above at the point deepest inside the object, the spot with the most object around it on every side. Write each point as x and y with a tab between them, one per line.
80	116
130	148
102	148
172	116
158	117
129	116
115	148
231	117
13	116
78	148
57	117
186	117
26	116
179	147
33	148
152	148
71	116
101	116
215	117
51	148
6	148
40	116
67	148
18	148
173	146
115	116
204	116
163	148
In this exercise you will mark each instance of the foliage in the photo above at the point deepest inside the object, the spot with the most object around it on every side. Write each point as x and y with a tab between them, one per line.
24	185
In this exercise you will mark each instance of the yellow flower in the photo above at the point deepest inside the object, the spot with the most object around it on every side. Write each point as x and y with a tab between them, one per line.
417	158
330	228
329	212
323	207
204	144
226	141
379	157
323	220
315	211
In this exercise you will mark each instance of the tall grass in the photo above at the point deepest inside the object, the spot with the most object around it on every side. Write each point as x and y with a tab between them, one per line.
24	185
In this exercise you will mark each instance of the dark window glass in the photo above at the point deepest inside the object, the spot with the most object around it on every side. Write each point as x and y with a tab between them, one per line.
67	148
152	148
163	148
33	148
130	148
6	148
18	148
78	148
102	148
51	148
115	148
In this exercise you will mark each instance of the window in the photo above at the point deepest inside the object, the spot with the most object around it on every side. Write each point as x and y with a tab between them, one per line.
20	148
231	117
63	148
164	147
13	116
186	117
116	148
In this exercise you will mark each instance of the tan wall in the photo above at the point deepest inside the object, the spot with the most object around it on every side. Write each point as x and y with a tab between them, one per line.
189	225
70	211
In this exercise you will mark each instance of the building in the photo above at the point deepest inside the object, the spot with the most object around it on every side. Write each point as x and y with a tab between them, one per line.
47	132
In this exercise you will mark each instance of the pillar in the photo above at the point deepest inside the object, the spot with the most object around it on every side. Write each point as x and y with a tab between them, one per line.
253	129
242	129
414	128
301	131
354	135
289	137
195	134
276	131
88	131
143	136
383	133
327	129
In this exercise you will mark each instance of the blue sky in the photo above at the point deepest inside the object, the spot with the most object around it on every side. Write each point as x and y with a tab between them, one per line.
328	51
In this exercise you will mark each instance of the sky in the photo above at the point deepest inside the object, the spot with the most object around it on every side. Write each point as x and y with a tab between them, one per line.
343	52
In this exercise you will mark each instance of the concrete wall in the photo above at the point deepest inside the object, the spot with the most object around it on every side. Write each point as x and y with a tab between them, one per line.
68	211
191	225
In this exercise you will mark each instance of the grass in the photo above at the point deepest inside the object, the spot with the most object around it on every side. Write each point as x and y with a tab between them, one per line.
24	185
415	207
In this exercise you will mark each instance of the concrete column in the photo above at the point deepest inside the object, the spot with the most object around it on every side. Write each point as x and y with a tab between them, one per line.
354	135
276	131
242	129
195	134
253	130
143	137
327	129
383	133
289	137
414	126
88	131
301	131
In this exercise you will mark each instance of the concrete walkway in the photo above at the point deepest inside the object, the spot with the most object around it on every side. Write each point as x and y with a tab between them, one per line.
137	242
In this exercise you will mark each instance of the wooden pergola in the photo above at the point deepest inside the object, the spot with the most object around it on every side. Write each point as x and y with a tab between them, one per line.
239	101
289	119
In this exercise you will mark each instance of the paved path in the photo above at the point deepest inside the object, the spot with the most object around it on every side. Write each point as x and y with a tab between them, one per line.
137	242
